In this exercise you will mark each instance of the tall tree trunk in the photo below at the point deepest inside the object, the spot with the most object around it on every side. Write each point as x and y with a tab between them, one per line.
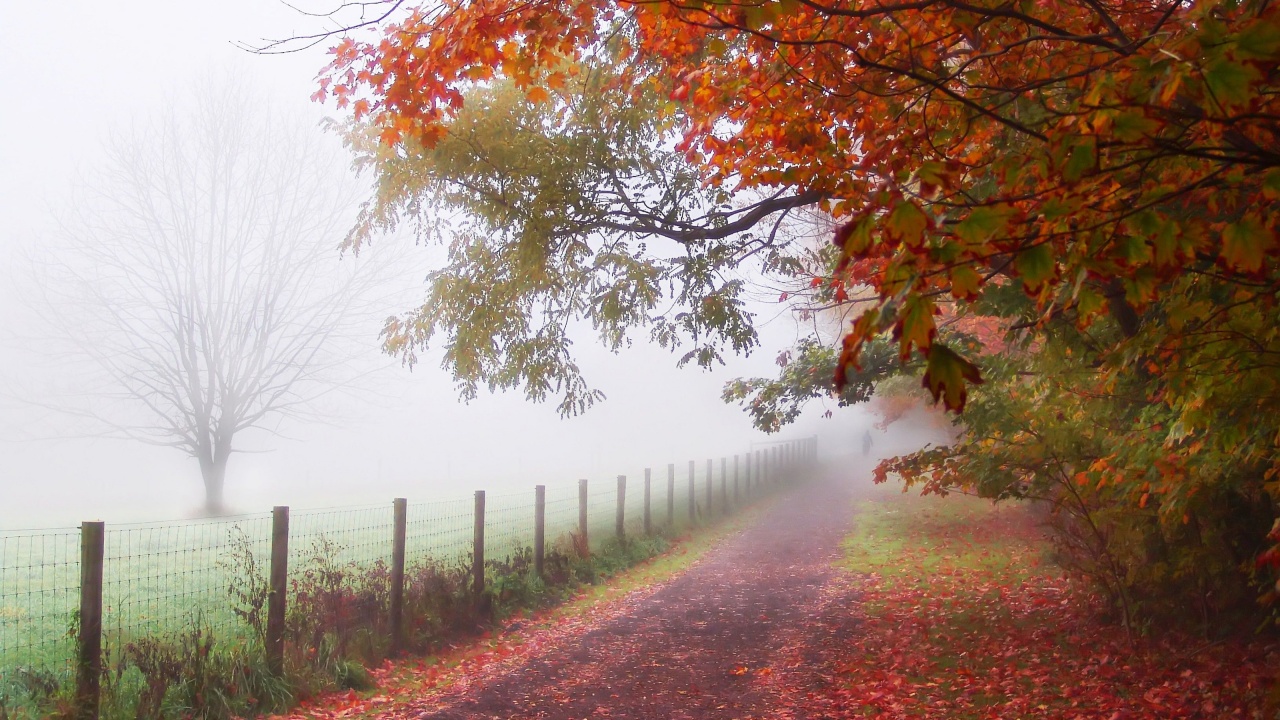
214	471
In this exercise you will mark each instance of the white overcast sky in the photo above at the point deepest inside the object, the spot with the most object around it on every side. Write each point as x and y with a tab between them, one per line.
74	68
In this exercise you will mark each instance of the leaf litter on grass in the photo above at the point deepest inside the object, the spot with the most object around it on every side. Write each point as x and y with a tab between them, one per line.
951	612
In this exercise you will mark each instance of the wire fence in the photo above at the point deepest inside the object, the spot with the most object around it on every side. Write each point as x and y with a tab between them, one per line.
166	578
39	593
439	531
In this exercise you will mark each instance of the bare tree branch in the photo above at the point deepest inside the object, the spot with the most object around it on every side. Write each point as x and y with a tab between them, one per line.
200	276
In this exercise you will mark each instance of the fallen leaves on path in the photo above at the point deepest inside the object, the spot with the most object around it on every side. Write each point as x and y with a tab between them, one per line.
406	689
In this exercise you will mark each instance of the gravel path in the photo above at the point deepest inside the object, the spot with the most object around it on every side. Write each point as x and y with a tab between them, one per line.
741	634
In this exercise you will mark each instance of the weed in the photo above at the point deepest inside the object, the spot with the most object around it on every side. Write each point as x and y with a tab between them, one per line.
246	583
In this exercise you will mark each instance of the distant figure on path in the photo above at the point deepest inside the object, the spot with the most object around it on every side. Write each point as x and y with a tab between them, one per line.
866	443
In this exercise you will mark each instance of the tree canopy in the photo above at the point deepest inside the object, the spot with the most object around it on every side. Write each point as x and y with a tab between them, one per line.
1098	177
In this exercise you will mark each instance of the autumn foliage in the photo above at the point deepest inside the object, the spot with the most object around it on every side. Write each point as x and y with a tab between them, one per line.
1092	151
1100	178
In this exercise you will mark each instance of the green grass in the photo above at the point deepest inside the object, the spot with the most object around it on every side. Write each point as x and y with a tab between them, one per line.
908	539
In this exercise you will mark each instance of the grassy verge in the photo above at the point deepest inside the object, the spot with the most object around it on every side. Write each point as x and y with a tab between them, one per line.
963	617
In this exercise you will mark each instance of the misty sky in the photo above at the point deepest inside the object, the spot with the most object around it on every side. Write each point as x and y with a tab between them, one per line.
75	69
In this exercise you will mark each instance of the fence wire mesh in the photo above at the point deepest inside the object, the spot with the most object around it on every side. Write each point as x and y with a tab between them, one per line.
39	592
602	511
508	526
358	535
634	510
439	532
561	516
164	578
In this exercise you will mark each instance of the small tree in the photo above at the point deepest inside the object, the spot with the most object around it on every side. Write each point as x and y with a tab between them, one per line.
200	277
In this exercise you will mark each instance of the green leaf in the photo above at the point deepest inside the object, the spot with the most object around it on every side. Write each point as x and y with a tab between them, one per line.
1140	287
1271	184
1132	125
1259	41
1089	304
1035	266
945	252
907	222
983	223
1230	82
854	237
965	282
1245	244
947	376
916	326
1135	250
1081	160
757	16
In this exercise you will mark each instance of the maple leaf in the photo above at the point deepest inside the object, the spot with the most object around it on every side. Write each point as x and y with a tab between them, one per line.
965	282
948	375
1246	243
917	327
1035	266
907	223
537	95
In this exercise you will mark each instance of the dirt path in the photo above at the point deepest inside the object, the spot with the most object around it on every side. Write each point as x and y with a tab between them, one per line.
741	634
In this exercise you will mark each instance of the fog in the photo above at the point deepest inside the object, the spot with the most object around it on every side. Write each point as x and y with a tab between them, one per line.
76	70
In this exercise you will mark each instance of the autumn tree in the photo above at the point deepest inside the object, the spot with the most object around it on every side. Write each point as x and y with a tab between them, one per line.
197	286
1102	176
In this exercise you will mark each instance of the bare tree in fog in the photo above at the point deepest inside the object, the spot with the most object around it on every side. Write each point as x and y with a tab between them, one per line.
200	275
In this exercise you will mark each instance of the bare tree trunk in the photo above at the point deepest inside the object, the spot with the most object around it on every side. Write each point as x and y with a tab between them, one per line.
214	472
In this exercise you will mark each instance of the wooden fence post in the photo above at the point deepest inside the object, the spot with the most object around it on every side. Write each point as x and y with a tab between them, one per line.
736	467
539	527
724	485
693	497
89	650
279	588
400	508
710	482
620	530
648	521
584	549
671	494
477	560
